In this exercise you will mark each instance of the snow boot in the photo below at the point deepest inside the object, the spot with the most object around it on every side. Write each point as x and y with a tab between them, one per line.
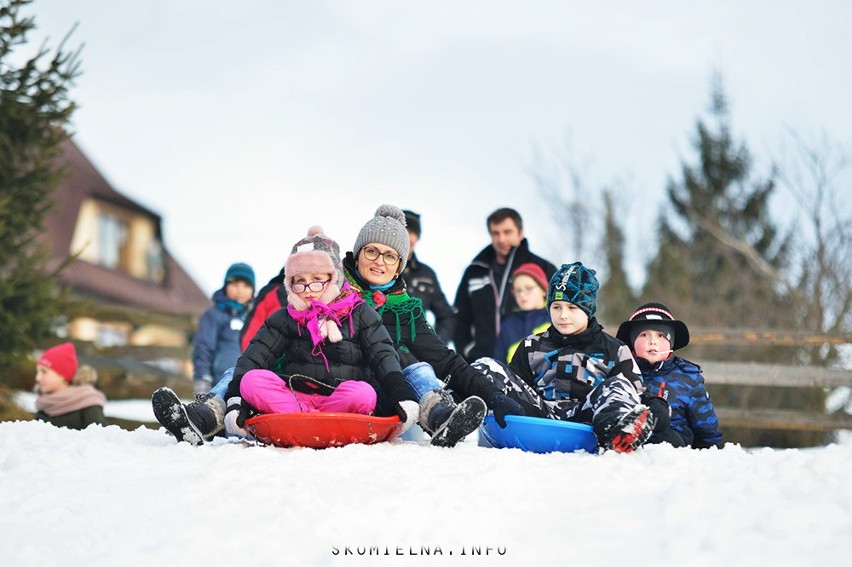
448	422
627	432
194	423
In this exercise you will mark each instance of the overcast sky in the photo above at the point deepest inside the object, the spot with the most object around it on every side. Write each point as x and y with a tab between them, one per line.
243	123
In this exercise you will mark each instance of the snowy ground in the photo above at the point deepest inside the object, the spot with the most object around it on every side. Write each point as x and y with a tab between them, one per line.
107	496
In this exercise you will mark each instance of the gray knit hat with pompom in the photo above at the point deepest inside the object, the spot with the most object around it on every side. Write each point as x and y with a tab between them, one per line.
388	228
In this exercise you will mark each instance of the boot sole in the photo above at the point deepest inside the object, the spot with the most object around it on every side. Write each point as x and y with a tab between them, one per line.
464	420
171	414
634	434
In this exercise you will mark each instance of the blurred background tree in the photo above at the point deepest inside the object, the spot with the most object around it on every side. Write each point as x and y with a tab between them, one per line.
718	256
35	110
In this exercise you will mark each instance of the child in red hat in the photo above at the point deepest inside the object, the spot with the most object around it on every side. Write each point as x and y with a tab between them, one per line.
66	396
529	288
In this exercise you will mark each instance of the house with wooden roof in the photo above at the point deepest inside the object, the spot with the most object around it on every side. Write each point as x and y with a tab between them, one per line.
133	291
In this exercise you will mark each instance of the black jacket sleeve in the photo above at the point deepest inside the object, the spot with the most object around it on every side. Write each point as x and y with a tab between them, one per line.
268	344
449	365
381	355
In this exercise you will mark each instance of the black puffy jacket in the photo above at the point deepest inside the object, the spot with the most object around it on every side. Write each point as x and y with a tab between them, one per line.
367	354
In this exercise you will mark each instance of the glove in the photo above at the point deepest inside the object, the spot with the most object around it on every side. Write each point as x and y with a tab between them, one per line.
661	412
408	412
202	385
502	405
235	418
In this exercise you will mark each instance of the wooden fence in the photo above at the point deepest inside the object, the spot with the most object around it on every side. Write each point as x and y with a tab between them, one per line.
757	376
777	376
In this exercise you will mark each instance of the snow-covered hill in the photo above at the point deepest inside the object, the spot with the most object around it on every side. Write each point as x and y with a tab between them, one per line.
107	496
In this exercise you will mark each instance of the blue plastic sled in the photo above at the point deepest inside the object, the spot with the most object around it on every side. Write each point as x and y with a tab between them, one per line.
539	435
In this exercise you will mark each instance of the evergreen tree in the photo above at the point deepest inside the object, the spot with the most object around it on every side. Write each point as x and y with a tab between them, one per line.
715	264
617	299
34	112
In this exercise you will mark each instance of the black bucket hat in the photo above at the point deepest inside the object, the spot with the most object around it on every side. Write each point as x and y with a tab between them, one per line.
651	315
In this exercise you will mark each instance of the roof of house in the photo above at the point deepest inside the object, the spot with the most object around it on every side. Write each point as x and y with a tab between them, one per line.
177	293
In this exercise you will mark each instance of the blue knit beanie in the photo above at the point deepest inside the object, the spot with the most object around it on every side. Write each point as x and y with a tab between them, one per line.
575	284
240	271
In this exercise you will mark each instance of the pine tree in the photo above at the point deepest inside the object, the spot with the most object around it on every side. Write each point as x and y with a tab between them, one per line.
34	111
617	300
714	264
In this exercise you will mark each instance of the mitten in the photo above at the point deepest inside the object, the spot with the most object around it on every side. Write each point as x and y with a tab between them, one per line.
661	411
502	405
235	418
408	412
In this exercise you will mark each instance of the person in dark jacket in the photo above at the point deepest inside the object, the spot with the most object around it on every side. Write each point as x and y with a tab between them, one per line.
654	334
326	351
66	393
449	410
574	371
217	341
423	283
483	299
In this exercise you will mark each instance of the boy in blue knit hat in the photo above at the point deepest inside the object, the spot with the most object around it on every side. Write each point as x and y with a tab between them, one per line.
574	371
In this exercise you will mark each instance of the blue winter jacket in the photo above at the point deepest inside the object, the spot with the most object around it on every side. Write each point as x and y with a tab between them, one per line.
217	340
681	384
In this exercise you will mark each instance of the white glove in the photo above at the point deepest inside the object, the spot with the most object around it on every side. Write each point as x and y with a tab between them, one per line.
411	409
236	414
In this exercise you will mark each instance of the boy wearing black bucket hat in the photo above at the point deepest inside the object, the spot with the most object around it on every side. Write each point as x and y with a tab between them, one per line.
653	334
574	371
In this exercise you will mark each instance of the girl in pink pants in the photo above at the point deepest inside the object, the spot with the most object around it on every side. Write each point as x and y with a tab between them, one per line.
268	393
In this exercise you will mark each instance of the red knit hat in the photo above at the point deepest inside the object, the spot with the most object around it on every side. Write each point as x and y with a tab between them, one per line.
534	271
62	359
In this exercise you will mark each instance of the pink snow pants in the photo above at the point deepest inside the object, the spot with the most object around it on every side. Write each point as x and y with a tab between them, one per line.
267	392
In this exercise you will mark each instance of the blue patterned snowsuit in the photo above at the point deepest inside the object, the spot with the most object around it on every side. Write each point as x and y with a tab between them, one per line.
681	384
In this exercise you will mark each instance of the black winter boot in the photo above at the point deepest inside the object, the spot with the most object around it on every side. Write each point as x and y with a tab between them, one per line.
194	422
448	422
626	432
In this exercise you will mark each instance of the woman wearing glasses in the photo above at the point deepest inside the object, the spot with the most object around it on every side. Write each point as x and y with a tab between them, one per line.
373	269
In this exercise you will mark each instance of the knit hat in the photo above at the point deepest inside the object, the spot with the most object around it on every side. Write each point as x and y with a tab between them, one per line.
315	254
575	284
62	359
656	317
386	227
534	271
412	222
240	271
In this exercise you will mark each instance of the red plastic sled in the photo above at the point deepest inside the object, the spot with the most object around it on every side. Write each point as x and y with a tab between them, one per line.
321	430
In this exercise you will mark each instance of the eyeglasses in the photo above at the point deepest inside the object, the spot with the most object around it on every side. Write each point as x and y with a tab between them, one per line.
389	258
525	290
313	286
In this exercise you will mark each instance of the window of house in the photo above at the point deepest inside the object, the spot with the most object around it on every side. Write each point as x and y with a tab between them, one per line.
112	241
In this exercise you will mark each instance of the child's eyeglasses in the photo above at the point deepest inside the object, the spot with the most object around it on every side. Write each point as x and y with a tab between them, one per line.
389	258
313	286
524	290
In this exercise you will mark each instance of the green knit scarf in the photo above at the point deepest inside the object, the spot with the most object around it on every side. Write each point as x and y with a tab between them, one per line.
399	303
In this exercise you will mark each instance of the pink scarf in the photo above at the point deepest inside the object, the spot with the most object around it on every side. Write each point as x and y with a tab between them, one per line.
70	399
324	320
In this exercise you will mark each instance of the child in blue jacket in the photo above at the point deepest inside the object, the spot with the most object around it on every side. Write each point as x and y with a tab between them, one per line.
654	334
216	347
